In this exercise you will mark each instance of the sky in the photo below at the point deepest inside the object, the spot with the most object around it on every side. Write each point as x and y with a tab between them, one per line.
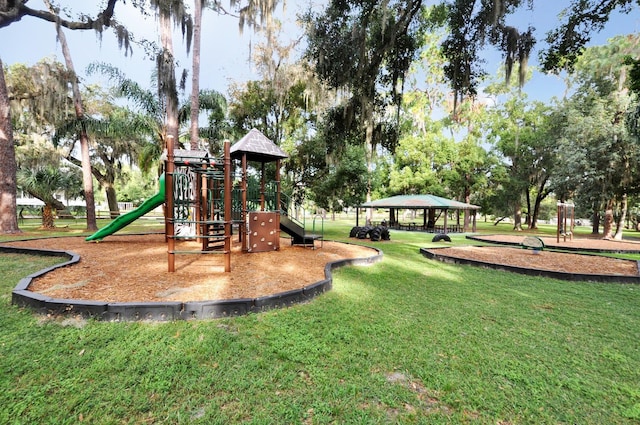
224	57
226	52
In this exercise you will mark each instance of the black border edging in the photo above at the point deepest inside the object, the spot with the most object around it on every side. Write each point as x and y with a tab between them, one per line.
165	310
573	277
556	247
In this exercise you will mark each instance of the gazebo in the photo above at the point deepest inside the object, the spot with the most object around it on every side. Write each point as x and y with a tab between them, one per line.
432	206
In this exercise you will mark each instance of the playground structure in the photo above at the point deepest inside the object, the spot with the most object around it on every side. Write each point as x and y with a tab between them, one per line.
198	203
205	199
566	221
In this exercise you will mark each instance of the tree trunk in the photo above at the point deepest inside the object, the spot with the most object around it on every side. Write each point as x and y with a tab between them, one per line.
167	75
370	153
621	219
536	212
595	222
8	208
47	217
112	201
195	77
527	219
467	213
87	178
607	227
517	217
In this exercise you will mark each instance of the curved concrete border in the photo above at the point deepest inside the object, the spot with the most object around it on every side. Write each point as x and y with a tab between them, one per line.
556	247
427	252
165	311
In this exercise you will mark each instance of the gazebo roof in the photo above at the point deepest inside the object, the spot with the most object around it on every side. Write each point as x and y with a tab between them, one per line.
257	147
419	202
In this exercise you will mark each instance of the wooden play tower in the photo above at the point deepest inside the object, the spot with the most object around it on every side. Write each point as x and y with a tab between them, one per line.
260	206
205	199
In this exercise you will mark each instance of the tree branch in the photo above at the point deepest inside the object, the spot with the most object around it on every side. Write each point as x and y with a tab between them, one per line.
11	12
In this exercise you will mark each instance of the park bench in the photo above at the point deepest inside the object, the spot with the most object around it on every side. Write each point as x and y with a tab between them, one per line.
532	242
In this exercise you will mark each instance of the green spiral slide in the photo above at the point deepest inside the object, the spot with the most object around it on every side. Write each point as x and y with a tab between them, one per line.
128	218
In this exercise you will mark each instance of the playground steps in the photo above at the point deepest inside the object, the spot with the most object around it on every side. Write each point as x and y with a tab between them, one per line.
213	236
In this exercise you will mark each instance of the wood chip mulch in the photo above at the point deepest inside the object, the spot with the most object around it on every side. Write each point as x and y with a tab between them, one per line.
543	260
134	269
550	260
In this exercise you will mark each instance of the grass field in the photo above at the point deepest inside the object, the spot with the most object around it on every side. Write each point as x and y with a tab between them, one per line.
405	341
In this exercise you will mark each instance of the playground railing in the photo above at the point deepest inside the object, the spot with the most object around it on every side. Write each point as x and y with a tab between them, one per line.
299	217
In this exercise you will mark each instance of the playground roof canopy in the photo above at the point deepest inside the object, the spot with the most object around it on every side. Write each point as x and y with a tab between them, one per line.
419	202
257	147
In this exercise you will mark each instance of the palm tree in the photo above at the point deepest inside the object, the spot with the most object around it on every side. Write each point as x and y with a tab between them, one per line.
195	73
117	136
43	183
10	12
150	105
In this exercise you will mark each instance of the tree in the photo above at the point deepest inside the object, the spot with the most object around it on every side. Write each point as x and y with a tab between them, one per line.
148	117
195	73
420	156
466	174
11	12
359	47
87	179
601	156
117	135
475	25
542	154
218	129
167	83
256	104
43	182
253	14
256	14
8	212
40	99
135	186
517	129
343	184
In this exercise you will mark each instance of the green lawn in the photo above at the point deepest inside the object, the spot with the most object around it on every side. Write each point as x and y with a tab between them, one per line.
407	340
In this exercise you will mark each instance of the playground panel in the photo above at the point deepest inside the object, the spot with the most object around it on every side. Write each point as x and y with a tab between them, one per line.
264	231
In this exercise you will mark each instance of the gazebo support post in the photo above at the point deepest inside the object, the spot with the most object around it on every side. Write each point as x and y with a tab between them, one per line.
474	221
445	221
